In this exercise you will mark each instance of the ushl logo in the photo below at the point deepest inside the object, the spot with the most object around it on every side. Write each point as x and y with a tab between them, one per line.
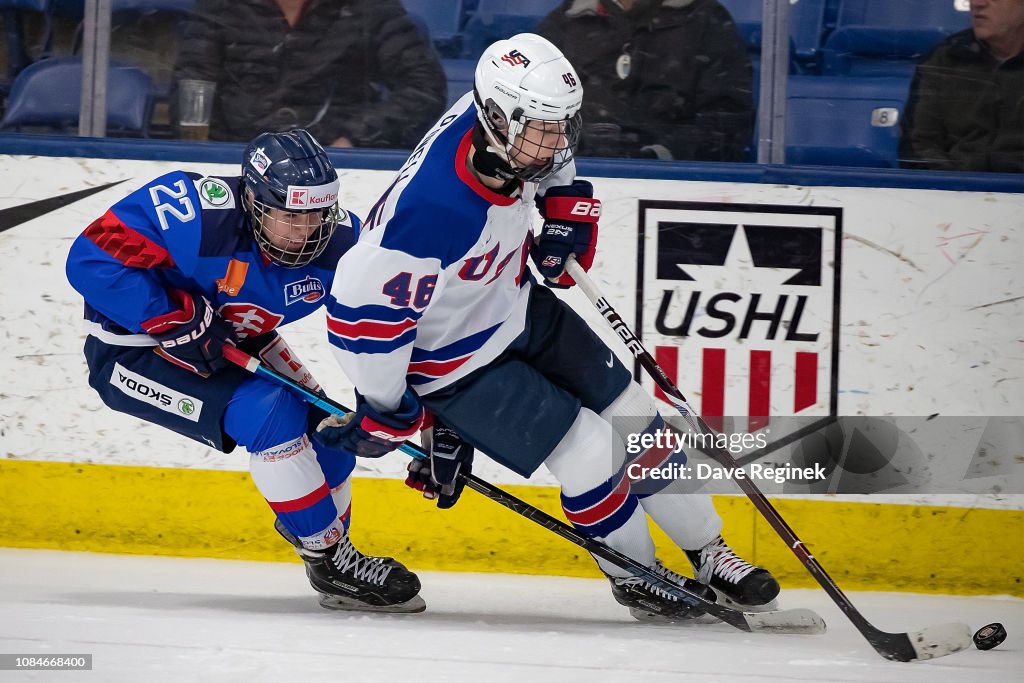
741	304
515	58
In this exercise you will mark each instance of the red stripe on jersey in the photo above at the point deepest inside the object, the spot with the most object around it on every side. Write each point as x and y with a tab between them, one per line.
128	246
369	329
437	368
302	503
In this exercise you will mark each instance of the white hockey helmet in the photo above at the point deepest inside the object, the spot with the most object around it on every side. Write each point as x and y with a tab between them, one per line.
528	100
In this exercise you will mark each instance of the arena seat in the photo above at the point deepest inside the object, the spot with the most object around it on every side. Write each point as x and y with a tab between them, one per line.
48	93
844	120
442	21
496	19
883	37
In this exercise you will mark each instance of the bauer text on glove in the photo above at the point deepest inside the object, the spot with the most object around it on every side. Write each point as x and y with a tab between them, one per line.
570	227
192	337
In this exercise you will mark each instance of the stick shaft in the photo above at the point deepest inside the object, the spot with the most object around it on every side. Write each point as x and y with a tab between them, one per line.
880	640
732	617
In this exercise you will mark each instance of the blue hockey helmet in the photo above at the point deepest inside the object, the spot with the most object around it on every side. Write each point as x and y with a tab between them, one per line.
290	191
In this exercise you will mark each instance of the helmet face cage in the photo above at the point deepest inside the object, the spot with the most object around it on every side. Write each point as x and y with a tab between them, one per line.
290	195
536	148
291	239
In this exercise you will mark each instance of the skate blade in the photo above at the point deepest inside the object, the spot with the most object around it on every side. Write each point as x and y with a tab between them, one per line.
650	618
771	606
333	602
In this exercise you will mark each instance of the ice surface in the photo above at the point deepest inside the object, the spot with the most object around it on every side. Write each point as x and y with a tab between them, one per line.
161	619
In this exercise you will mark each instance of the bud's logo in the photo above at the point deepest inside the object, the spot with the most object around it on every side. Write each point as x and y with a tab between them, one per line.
742	304
317	197
309	290
515	58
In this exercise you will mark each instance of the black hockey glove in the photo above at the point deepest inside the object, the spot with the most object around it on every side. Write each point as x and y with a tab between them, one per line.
438	476
570	227
372	433
192	337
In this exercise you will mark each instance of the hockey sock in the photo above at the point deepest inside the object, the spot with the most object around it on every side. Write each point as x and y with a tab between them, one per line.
684	512
589	464
290	478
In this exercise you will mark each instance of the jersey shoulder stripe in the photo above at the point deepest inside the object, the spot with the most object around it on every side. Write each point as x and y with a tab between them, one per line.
430	212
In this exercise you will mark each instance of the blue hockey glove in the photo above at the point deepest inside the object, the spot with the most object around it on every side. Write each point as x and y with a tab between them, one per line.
570	227
438	476
371	433
192	337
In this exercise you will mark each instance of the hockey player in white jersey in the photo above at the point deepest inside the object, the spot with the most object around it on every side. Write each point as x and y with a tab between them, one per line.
434	312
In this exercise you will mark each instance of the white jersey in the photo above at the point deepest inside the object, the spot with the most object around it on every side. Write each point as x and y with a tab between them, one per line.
436	286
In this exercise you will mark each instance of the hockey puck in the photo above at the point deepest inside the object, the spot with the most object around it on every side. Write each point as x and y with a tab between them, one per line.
989	636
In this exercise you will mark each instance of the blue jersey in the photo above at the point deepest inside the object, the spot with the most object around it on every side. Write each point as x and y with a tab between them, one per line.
186	231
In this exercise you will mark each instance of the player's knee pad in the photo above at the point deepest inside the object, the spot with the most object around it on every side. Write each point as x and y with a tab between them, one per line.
589	464
588	454
336	463
262	415
632	411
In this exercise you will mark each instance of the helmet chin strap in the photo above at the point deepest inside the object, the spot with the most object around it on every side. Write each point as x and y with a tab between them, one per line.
487	161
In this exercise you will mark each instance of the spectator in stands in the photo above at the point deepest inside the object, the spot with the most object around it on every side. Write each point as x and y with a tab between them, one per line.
665	79
966	106
354	73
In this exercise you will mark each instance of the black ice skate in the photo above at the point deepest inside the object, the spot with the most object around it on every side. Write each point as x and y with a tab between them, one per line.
739	582
346	579
647	602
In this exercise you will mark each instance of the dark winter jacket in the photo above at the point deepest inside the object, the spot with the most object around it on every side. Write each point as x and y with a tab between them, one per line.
353	68
670	78
965	111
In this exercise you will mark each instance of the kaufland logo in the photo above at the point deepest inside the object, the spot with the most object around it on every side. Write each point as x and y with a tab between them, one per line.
741	304
318	197
309	290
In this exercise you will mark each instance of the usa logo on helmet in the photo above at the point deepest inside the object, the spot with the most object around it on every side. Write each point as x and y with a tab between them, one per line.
515	58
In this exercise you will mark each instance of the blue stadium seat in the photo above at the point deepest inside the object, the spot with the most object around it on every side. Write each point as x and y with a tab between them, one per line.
460	77
48	94
145	6
886	37
806	26
442	20
12	12
844	120
497	19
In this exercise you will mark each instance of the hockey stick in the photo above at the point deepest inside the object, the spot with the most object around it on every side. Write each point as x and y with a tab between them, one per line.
928	643
794	621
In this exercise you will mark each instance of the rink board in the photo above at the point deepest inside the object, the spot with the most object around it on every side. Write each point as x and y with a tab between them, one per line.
203	513
922	316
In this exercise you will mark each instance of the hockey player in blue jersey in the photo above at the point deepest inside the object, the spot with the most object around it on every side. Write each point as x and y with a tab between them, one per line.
187	264
434	308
